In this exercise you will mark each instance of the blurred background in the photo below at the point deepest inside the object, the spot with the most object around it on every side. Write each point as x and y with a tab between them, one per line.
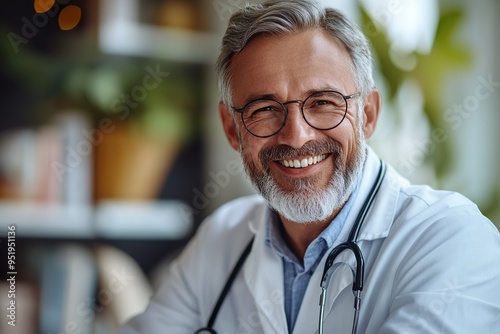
111	151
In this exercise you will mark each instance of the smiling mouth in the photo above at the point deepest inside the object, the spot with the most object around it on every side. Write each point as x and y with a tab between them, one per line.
303	163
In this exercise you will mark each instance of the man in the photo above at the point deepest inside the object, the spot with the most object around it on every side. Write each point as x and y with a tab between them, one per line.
298	103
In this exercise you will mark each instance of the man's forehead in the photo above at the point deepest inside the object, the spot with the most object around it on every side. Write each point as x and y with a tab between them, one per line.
310	55
308	45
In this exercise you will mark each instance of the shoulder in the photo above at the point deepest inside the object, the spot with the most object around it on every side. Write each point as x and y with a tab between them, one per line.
218	242
436	226
425	216
422	202
422	214
426	200
440	251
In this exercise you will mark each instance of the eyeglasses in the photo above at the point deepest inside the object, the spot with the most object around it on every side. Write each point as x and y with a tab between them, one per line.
323	110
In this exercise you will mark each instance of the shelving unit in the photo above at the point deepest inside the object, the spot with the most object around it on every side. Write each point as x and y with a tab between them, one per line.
55	236
120	33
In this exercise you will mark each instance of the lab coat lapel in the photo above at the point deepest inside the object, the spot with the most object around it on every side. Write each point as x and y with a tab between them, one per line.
264	276
380	217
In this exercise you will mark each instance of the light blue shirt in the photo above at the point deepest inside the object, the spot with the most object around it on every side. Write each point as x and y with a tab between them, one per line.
296	274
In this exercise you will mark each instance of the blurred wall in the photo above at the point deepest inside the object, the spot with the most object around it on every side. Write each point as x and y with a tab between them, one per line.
475	135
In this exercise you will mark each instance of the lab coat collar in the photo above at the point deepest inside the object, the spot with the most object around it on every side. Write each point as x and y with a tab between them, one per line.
380	217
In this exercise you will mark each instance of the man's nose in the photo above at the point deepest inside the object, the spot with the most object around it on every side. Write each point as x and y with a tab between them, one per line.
296	131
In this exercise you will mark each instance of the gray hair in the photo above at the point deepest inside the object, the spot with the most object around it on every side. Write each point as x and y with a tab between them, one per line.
278	17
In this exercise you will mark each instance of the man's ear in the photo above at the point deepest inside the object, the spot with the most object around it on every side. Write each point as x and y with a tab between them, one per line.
229	126
371	111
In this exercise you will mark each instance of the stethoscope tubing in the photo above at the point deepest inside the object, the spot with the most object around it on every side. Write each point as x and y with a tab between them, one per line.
350	244
353	235
225	290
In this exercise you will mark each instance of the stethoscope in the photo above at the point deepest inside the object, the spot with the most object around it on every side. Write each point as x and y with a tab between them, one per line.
351	244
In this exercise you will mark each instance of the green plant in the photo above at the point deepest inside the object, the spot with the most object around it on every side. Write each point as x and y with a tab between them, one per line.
430	72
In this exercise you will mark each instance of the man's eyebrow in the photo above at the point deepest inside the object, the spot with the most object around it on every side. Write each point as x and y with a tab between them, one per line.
312	91
254	96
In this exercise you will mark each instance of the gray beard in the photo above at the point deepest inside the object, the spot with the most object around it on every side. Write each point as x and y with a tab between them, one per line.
304	204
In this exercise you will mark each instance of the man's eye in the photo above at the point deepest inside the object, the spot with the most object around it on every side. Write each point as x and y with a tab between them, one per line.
268	108
264	110
327	103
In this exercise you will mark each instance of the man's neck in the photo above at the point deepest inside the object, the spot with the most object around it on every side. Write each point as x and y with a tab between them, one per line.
299	236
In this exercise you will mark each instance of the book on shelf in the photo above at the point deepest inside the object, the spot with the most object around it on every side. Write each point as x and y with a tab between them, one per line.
51	164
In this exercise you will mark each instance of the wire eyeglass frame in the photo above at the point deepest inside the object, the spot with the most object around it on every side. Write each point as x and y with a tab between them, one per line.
285	111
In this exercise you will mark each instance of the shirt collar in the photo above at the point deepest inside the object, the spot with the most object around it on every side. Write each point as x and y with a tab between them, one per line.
318	246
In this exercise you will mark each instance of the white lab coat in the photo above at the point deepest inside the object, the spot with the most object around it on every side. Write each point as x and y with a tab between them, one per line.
432	265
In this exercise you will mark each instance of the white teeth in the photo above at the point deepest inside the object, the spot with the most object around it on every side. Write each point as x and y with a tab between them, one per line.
304	162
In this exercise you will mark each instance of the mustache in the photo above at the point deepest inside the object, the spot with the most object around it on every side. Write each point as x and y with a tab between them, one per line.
283	151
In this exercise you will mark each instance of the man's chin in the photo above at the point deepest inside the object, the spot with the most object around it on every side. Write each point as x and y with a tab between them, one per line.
304	184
